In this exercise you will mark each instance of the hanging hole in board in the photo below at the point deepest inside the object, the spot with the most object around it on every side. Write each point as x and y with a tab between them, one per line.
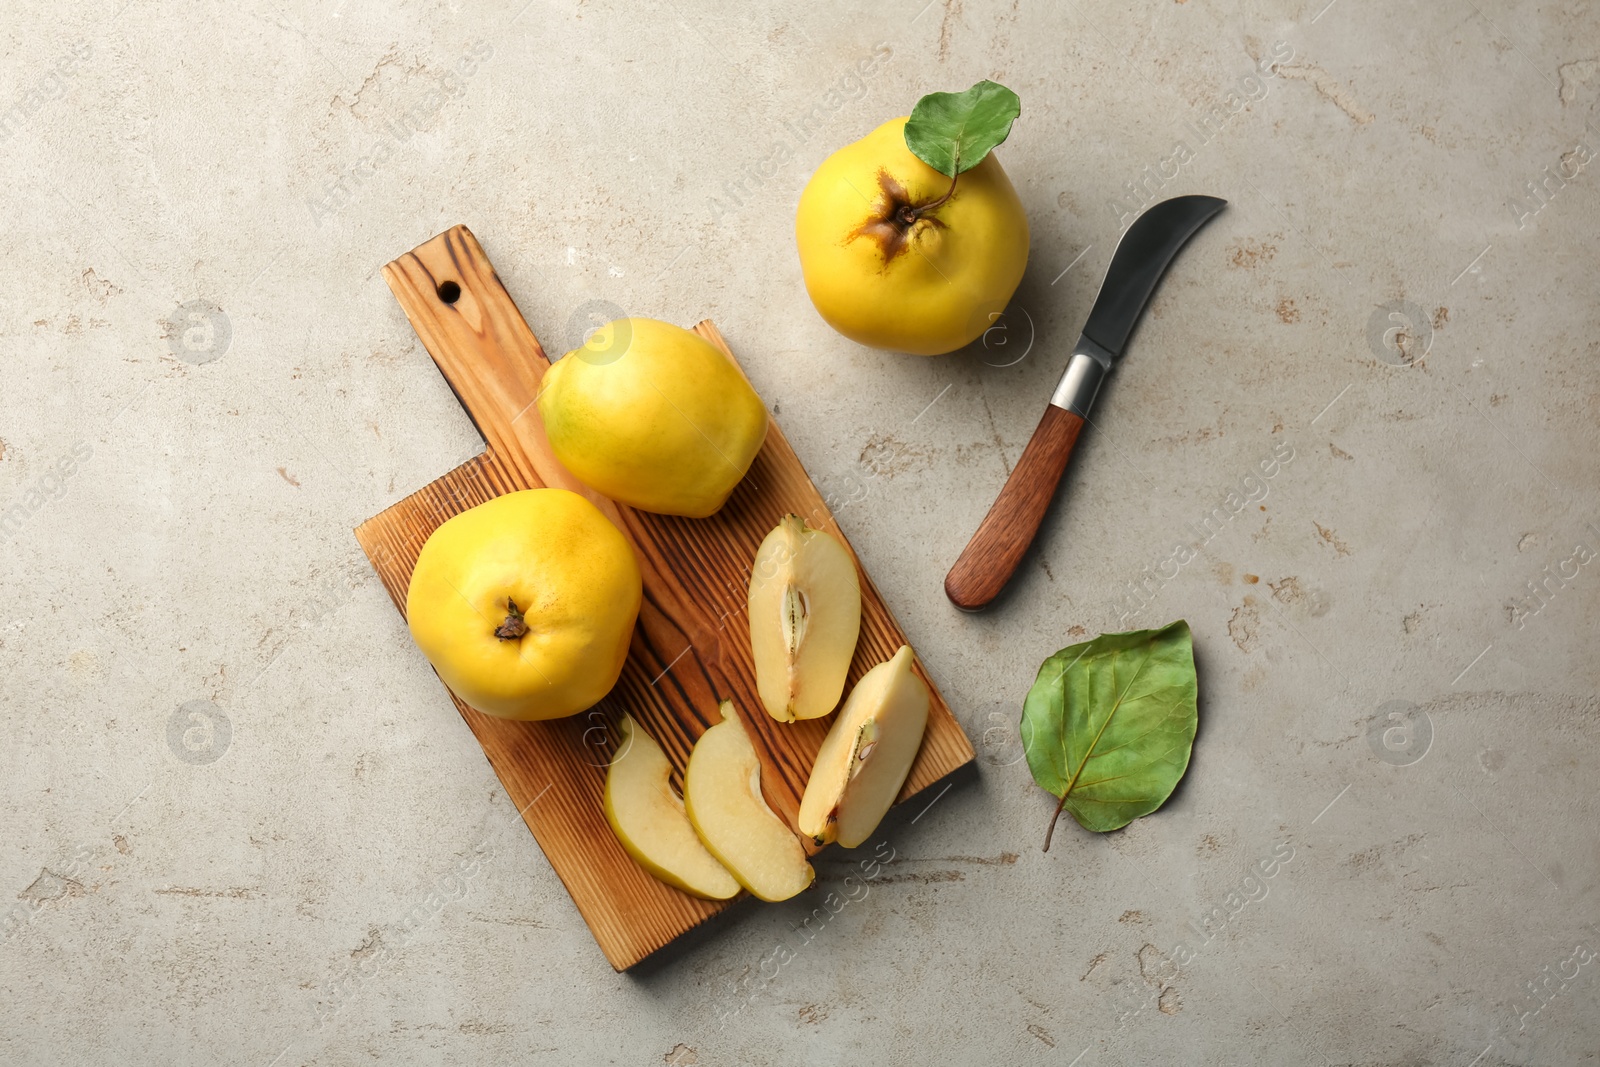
449	292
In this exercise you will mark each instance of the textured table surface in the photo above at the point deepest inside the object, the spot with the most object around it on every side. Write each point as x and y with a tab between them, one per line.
241	823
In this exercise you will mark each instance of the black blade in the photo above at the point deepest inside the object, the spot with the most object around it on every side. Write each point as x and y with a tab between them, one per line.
1140	260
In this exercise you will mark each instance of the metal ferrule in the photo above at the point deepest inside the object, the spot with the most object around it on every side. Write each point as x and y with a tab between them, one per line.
1085	371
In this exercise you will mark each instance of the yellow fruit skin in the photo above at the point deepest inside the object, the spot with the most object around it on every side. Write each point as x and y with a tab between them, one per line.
567	568
955	273
653	416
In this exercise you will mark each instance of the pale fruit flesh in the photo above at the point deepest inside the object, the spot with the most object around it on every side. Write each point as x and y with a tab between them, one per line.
867	754
805	617
722	792
650	820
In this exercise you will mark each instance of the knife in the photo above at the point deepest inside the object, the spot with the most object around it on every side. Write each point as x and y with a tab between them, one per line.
1141	258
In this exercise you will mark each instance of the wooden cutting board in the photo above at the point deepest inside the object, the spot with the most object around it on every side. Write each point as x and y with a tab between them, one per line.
691	646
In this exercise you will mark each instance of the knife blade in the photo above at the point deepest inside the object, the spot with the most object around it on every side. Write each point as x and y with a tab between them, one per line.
1141	259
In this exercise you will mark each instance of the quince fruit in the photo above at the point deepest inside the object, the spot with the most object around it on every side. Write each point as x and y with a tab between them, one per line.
653	416
897	256
525	604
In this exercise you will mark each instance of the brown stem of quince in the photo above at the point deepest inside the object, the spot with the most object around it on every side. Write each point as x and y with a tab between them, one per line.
514	625
909	213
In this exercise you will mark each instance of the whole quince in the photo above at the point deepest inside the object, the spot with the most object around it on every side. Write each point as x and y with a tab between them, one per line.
525	604
897	256
653	416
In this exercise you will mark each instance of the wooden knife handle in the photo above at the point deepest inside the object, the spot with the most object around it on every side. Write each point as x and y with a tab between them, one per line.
994	552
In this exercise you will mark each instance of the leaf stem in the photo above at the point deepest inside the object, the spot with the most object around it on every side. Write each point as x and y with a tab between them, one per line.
948	193
1048	834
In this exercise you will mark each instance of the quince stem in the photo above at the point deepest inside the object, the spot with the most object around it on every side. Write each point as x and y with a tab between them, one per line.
909	214
514	625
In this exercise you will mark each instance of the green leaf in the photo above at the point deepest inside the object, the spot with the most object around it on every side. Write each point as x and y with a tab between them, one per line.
1109	724
952	132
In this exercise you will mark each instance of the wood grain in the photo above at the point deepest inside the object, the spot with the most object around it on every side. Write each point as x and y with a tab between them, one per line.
691	646
1002	539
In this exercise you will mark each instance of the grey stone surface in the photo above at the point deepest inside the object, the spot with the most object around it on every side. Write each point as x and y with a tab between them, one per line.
239	821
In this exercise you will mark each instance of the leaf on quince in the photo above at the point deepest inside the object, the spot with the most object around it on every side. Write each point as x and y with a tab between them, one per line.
953	132
1109	724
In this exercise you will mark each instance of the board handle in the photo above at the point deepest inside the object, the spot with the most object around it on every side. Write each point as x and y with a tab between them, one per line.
482	345
992	556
